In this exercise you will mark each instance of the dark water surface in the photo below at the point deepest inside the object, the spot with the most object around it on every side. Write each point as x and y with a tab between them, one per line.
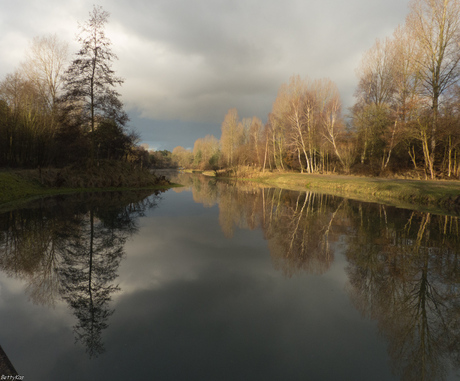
225	282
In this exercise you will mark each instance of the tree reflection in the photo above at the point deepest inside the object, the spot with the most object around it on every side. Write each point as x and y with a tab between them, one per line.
404	274
299	227
89	266
404	266
71	249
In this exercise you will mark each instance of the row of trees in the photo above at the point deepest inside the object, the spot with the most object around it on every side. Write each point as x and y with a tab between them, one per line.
54	114
408	91
406	116
304	131
240	144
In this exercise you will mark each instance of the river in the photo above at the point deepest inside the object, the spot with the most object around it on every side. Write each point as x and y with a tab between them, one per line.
224	281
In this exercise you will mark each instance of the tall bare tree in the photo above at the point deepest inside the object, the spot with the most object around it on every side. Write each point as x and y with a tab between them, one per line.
90	80
331	107
232	133
255	140
376	88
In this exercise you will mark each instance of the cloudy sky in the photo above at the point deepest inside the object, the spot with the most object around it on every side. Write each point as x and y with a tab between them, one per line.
187	62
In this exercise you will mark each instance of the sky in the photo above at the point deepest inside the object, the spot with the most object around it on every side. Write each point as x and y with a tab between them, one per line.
187	62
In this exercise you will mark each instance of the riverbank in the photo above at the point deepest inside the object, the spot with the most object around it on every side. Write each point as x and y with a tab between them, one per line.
18	186
439	195
424	195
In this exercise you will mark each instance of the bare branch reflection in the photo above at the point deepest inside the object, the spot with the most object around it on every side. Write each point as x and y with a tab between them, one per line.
404	266
69	248
404	274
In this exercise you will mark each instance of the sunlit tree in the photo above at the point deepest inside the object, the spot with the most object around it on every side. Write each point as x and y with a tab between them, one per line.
435	30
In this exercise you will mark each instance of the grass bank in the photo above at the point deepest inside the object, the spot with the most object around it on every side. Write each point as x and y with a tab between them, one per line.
20	186
436	196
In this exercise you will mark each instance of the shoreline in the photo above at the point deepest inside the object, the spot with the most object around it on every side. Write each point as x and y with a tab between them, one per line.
20	187
435	196
440	196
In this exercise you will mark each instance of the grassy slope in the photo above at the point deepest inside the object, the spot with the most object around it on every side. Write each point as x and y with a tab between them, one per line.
414	194
13	187
16	188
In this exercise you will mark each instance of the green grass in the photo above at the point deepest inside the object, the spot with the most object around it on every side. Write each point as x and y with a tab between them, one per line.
13	187
438	196
18	187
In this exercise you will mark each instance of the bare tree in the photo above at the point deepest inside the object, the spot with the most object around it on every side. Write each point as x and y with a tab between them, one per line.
330	107
232	133
376	74
295	93
90	80
182	157
255	140
206	152
44	66
372	112
435	28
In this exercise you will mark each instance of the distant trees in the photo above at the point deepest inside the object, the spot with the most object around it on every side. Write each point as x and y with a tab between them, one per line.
206	152
182	157
305	131
232	136
161	159
373	114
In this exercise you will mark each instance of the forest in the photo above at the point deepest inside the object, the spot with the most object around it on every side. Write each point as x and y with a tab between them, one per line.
56	115
405	119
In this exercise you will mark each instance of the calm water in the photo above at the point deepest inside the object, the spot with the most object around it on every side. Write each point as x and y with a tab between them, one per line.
224	282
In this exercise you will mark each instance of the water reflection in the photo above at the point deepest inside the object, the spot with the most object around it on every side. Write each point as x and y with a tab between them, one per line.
299	227
402	270
403	266
71	248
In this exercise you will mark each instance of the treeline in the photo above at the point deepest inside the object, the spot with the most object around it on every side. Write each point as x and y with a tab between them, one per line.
55	114
405	119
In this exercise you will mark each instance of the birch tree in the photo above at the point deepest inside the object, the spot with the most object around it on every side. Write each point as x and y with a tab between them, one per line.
330	107
435	28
